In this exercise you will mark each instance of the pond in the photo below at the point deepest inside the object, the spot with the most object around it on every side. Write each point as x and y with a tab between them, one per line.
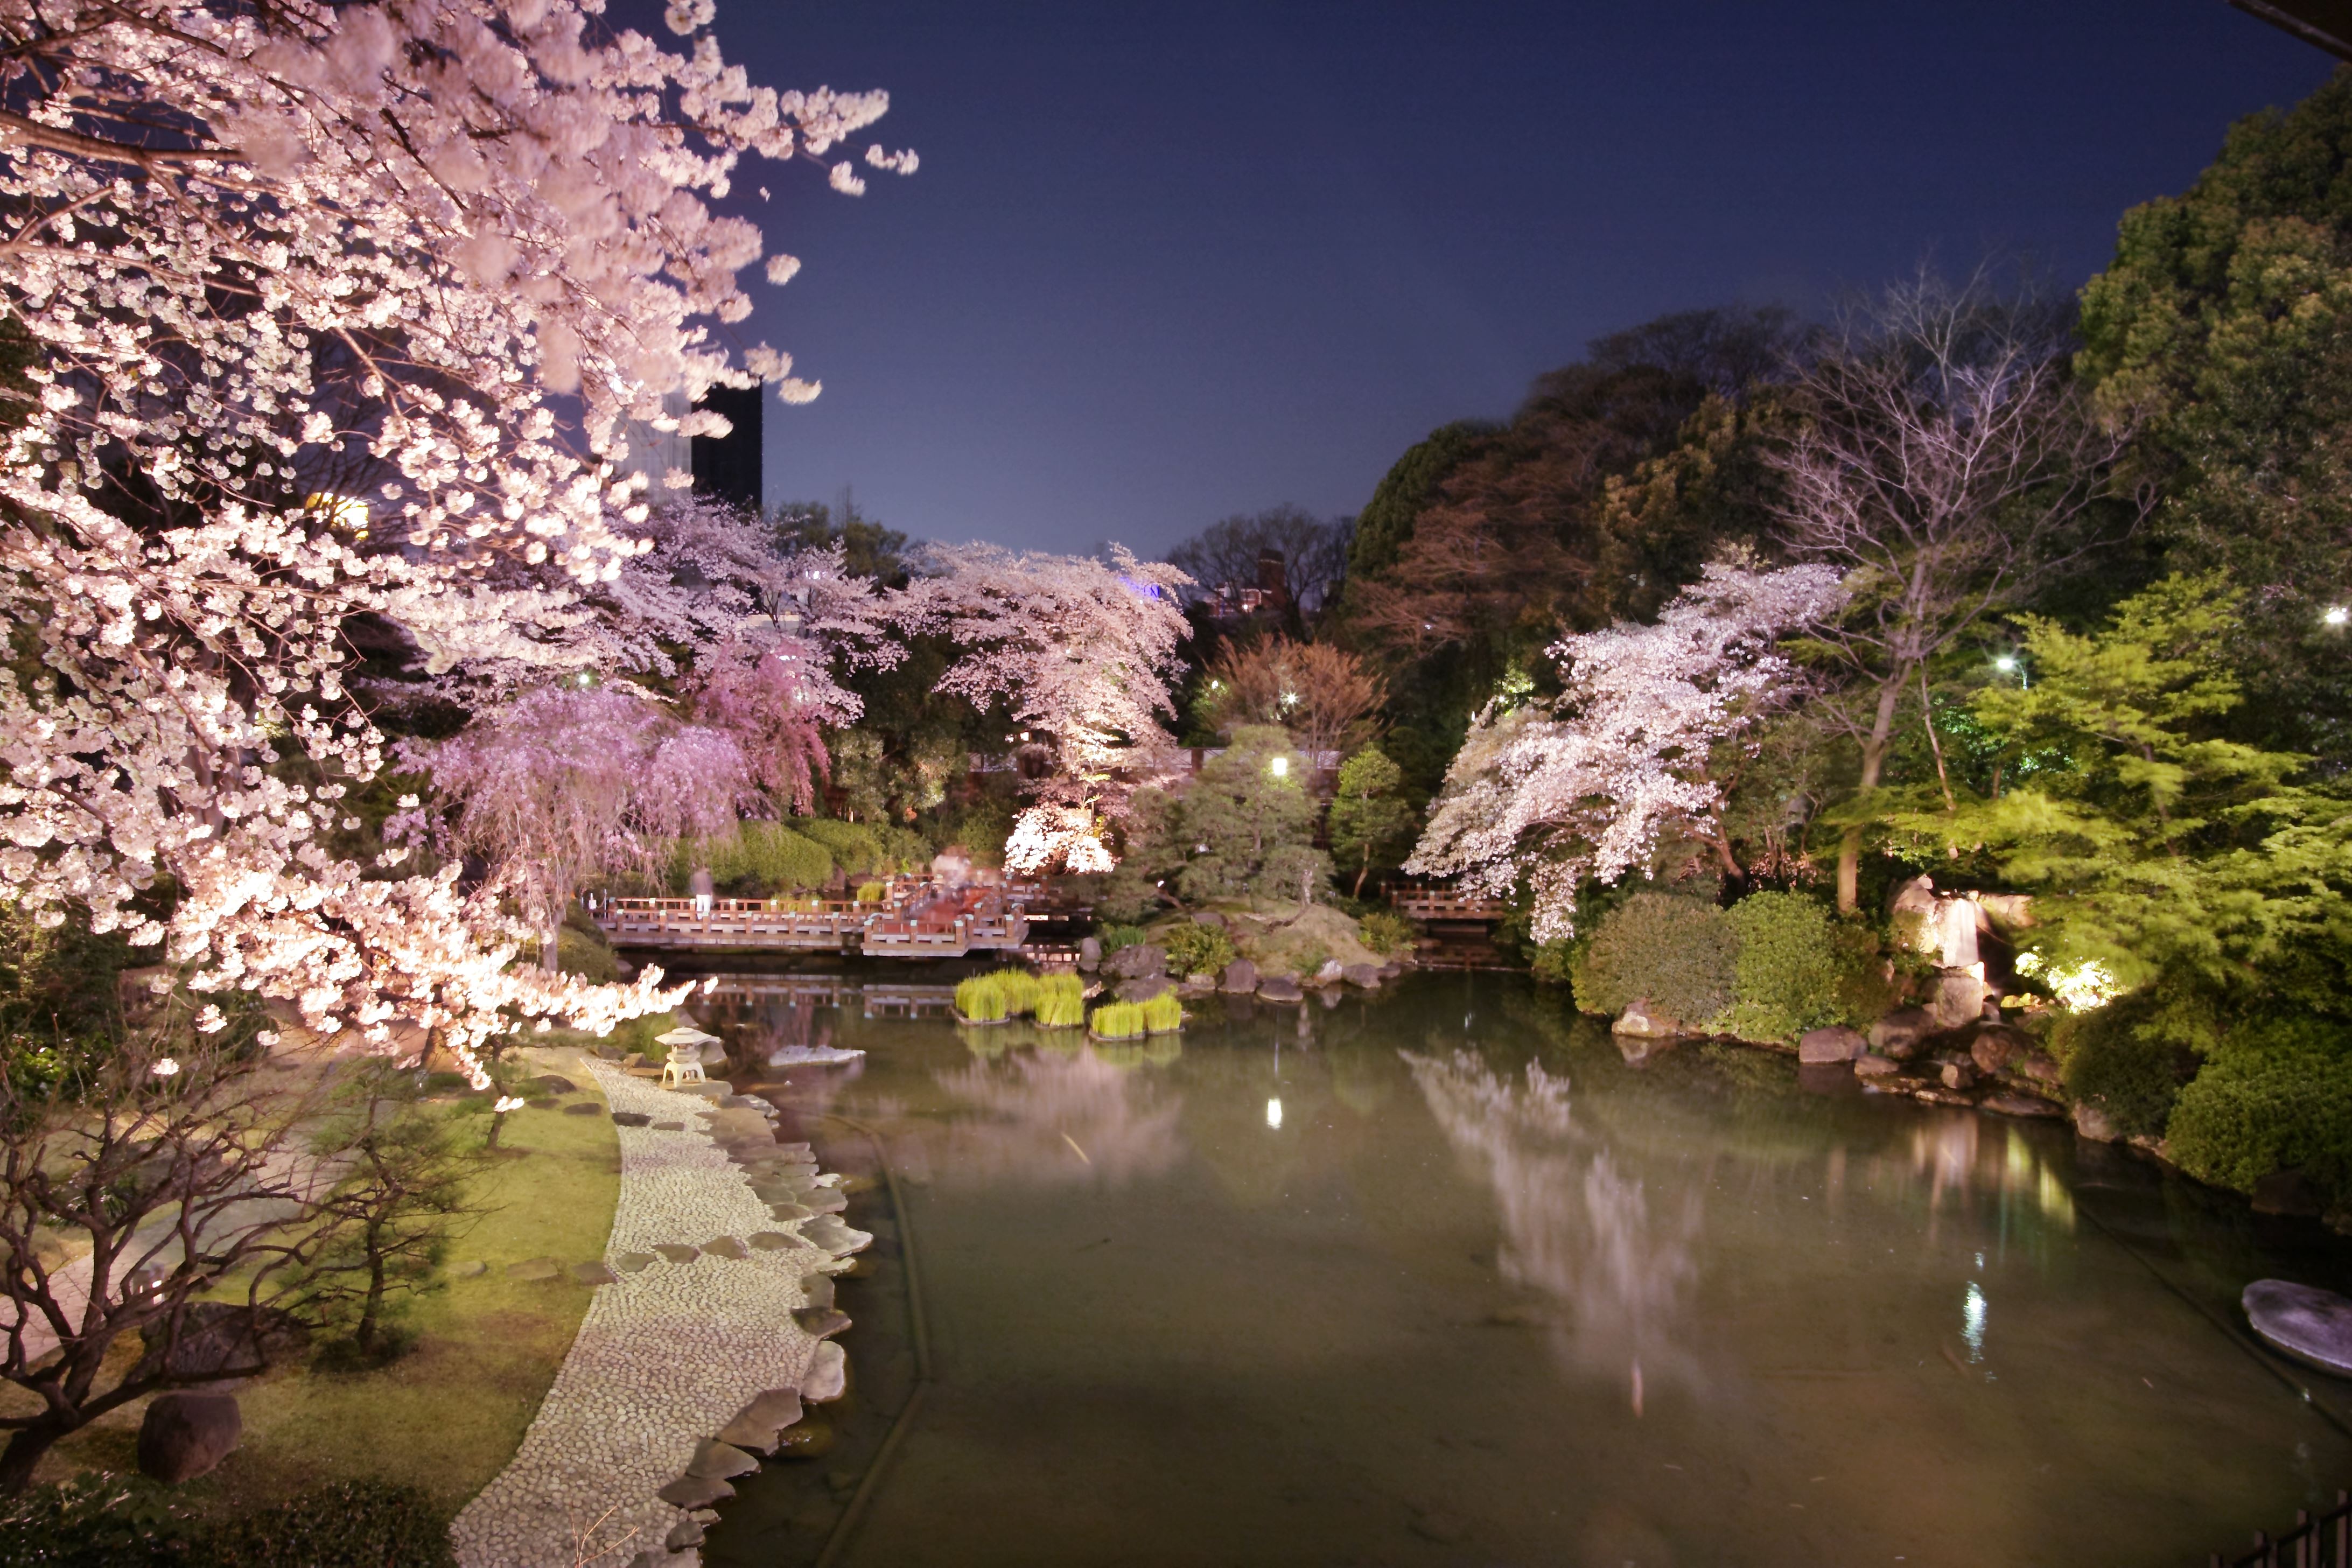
1435	1277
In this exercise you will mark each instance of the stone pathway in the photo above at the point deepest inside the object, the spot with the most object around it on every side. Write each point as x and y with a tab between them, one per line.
696	1324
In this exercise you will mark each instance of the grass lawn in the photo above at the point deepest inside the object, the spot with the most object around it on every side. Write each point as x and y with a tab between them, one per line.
448	1416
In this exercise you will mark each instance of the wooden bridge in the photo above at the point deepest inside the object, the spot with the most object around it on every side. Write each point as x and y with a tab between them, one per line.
1455	931
918	921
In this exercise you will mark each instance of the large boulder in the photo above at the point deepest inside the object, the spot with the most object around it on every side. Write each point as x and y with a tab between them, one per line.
1241	977
1870	1064
1834	1043
1138	960
1959	999
1144	989
1090	953
1364	975
1897	1035
1995	1046
187	1433
2093	1122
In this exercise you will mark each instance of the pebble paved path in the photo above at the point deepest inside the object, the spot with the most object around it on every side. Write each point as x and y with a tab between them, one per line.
665	1356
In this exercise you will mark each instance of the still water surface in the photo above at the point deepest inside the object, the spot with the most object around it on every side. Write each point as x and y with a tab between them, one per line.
1437	1278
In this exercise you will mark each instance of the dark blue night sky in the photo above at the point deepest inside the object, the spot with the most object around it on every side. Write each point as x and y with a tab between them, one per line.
1164	263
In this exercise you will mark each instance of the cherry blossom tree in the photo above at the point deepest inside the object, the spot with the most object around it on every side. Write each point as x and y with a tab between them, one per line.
567	783
1635	751
300	279
1080	652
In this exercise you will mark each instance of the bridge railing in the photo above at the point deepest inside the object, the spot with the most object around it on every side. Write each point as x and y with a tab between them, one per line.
1428	904
2322	1542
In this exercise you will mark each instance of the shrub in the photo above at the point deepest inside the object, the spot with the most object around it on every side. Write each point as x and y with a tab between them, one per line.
1680	954
757	859
854	848
1871	981
2127	1059
1119	1021
1164	1013
1114	937
1194	949
2276	1096
589	957
873	893
1386	932
1787	966
980	999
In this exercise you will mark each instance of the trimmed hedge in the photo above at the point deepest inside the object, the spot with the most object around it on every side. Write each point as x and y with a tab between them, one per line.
1787	969
762	859
1681	954
2277	1096
855	849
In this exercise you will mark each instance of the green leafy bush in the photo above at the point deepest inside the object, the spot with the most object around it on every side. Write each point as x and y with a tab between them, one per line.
2276	1096
758	859
2130	1058
589	957
1195	949
1787	967
1386	932
873	893
1681	954
1114	937
854	847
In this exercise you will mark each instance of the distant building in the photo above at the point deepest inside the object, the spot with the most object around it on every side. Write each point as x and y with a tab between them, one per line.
725	468
1269	595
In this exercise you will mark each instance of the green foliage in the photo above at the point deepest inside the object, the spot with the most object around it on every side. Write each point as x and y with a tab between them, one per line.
1056	1000
590	957
1062	1003
1386	932
1871	980
2277	1095
1555	963
1787	967
1370	823
855	849
1152	847
2129	1058
757	860
1114	937
873	893
108	1521
1680	954
983	998
1163	1015
1386	521
1195	949
1248	831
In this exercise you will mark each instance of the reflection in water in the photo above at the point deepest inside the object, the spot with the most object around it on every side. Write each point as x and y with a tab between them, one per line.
1973	1321
1964	1153
1574	1228
1055	1120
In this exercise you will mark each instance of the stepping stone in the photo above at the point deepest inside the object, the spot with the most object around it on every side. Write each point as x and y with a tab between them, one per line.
631	1118
2312	1325
534	1269
773	1241
472	1269
827	1378
827	1200
2020	1105
634	1262
756	1424
540	1104
790	1214
746	1103
720	1461
726	1247
832	1236
670	1126
686	1532
678	1253
549	1083
821	1322
816	1289
594	1274
693	1491
583	1108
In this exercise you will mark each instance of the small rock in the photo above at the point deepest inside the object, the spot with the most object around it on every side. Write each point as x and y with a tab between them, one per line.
726	1247
2019	1105
607	1053
821	1322
677	1252
1279	988
816	1289
2287	1193
1996	1045
1200	982
1138	960
1898	1033
2093	1122
472	1269
184	1434
722	1461
1144	989
1089	952
634	1059
772	1241
828	1374
631	1118
594	1274
693	1491
1642	1023
670	1126
1331	973
1955	1075
583	1108
1870	1064
549	1083
1366	976
634	1262
1240	977
686	1532
1835	1044
542	1104
534	1269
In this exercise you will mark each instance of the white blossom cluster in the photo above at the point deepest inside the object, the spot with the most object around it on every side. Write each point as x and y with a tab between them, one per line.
298	281
1588	787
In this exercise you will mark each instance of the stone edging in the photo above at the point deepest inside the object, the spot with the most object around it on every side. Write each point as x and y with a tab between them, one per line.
668	1353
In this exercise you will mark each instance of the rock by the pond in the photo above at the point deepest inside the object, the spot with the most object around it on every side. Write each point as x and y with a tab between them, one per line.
827	1377
756	1424
816	1289
721	1460
1209	917
187	1433
677	1252
634	1262
1089	952
2019	1105
1898	1033
1138	960
1995	1046
1959	998
2093	1122
1332	974
2310	1324
583	1108
1279	988
1641	1024
631	1118
827	1232
695	1491
2038	1067
2287	1193
686	1532
1144	989
472	1269
1835	1044
594	1274
1240	977
549	1083
821	1322
1365	975
1200	982
1957	1075
810	1439
534	1269
1870	1064
726	1247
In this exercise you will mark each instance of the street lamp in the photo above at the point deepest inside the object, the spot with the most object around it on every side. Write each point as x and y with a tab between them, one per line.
2006	663
2335	616
1280	766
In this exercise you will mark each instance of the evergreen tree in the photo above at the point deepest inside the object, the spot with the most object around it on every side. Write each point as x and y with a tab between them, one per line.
1369	819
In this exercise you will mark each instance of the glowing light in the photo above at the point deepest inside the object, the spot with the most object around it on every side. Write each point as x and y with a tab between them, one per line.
1274	1112
2004	664
2077	988
1281	767
2336	615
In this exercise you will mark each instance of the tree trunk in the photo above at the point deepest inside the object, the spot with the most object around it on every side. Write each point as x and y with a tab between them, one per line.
1873	761
369	1311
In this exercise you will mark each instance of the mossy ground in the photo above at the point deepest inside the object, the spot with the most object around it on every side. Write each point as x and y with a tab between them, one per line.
448	1415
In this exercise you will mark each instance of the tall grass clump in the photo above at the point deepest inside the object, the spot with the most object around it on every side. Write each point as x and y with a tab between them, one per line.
1119	1021
1017	994
1062	1001
981	999
1164	1013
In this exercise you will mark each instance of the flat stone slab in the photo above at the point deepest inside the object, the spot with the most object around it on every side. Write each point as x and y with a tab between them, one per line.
725	1246
677	1252
2019	1105
828	1374
695	1491
631	1118
594	1274
772	1241
1279	988
583	1108
472	1269
670	1126
720	1460
821	1322
634	1262
534	1269
549	1083
2312	1325
756	1424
